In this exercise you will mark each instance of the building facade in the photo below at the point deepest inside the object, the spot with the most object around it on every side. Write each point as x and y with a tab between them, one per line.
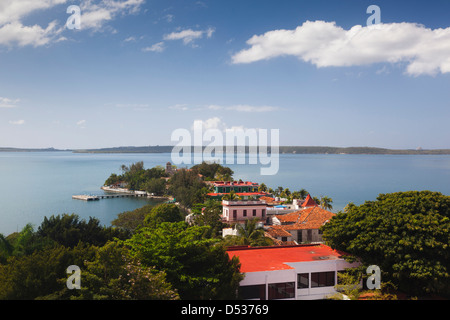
302	272
239	211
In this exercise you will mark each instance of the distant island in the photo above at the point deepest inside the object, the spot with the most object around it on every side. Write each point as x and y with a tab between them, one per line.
282	149
6	149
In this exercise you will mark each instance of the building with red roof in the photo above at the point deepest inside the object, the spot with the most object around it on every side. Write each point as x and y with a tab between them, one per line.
300	272
304	225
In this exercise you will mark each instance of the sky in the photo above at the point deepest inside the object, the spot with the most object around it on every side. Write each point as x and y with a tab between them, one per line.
137	70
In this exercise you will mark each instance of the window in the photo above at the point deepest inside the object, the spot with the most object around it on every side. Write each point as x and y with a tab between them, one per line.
282	290
322	279
234	214
245	213
254	212
252	292
263	212
302	280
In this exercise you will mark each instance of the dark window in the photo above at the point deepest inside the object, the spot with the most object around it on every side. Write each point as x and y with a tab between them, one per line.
282	290
302	280
309	235
252	292
322	279
234	214
263	212
245	213
254	212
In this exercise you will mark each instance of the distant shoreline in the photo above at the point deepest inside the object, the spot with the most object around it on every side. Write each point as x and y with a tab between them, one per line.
282	150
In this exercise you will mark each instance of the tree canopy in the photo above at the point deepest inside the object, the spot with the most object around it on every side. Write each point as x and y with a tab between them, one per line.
196	264
407	234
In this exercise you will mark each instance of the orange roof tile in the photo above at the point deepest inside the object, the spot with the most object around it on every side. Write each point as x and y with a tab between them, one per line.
309	218
309	202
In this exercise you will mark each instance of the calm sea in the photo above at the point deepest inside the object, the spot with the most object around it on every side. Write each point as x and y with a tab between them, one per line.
38	184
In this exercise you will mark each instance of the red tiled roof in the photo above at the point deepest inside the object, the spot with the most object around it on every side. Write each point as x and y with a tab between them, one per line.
309	218
235	183
309	202
278	231
276	257
213	194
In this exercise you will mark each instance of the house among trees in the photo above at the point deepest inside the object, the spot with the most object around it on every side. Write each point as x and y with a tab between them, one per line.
239	211
170	170
244	190
302	225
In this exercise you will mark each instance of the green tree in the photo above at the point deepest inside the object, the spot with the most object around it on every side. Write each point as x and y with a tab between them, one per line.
262	187
326	203
114	275
197	266
248	234
131	220
41	273
187	188
156	186
232	196
405	233
209	214
68	230
166	212
211	171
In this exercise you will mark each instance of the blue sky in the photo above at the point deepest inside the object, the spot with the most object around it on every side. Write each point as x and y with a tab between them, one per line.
139	69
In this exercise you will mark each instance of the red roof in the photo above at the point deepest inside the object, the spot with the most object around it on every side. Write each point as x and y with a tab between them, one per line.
212	194
309	202
309	218
235	183
257	259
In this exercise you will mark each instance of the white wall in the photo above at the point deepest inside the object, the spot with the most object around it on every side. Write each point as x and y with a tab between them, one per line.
290	275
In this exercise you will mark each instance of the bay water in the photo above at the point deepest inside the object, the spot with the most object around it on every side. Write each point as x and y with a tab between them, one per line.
38	184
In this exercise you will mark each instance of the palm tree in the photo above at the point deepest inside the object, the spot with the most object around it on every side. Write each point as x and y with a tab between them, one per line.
262	188
250	234
303	193
232	196
349	206
325	203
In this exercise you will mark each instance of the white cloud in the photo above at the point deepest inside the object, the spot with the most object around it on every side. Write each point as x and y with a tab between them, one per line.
81	124
13	10
324	44
130	39
17	122
8	103
16	33
157	47
94	15
183	107
169	17
189	35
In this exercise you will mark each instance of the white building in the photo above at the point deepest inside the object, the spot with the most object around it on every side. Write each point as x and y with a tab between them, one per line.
301	272
239	211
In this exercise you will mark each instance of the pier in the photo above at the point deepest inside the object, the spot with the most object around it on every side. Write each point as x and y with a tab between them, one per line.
108	196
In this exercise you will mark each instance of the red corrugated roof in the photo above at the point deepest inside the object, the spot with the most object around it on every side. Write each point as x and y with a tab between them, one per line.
275	258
